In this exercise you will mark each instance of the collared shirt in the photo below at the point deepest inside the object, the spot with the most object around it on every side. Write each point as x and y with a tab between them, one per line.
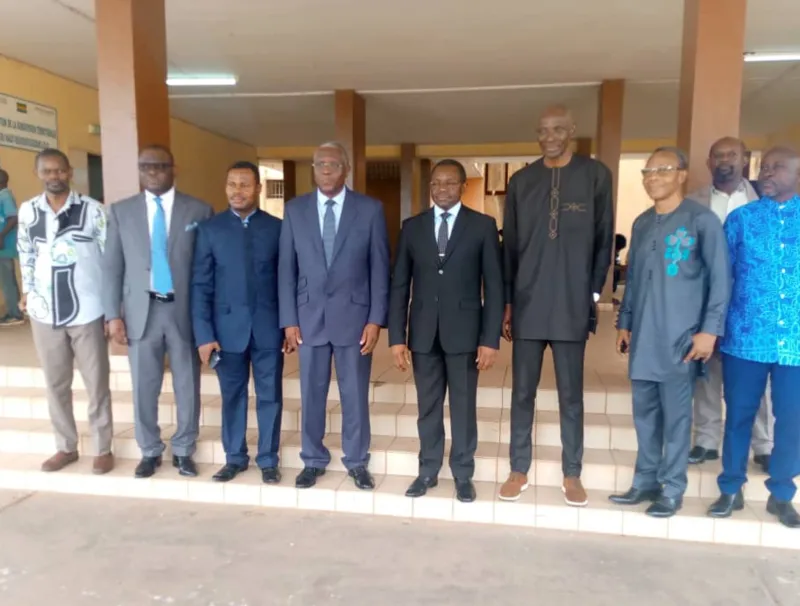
763	323
338	200
451	220
723	204
8	209
60	258
167	202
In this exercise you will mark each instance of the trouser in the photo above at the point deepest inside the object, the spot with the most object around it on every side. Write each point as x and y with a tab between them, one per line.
352	372
59	349
9	287
745	382
435	373
233	373
708	412
527	370
662	416
161	337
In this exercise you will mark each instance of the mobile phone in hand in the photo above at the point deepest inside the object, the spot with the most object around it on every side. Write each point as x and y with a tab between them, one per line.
214	359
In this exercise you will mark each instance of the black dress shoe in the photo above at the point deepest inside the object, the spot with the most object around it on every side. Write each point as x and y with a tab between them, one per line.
270	475
308	477
362	478
635	496
698	455
726	504
227	473
665	507
185	466
465	491
147	467
420	486
785	512
762	461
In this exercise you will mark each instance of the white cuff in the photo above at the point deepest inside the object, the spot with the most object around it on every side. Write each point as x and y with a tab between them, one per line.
596	297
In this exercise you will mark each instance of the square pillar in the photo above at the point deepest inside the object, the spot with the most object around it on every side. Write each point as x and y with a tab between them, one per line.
408	152
424	198
712	66
351	131
583	146
132	82
289	180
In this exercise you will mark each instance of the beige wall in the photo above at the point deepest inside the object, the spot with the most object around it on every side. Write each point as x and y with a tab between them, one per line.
473	196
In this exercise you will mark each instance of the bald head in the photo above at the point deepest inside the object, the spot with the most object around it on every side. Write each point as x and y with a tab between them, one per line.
780	173
555	132
727	159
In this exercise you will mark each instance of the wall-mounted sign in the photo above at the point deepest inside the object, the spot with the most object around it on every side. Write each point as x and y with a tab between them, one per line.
27	125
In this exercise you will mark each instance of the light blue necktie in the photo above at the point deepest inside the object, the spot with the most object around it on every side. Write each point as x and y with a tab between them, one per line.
159	257
329	232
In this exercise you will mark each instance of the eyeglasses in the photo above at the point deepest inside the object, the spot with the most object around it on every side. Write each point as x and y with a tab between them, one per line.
335	166
159	167
660	170
444	184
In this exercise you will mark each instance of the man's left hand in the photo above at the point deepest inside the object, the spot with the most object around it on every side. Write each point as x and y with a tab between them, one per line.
486	358
369	338
702	347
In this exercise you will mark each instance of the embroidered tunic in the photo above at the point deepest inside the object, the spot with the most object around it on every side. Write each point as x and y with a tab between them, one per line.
678	284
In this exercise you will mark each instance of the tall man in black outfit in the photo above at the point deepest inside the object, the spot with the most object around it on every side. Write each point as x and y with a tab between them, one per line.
447	255
558	234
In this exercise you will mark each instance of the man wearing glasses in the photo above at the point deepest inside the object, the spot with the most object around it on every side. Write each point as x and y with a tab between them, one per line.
333	280
148	268
672	313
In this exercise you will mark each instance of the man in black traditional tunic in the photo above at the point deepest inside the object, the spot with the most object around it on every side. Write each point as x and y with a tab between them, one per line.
558	235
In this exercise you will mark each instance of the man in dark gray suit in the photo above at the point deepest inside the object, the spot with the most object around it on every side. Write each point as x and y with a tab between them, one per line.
333	293
148	268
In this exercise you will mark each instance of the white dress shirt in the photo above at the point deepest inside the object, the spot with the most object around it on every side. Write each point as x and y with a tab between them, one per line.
167	201
451	220
338	200
723	204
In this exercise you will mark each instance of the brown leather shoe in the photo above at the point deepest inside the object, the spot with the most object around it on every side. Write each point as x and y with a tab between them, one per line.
103	464
515	485
574	493
59	461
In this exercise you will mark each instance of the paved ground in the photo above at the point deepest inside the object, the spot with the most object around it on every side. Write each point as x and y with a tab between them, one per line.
71	551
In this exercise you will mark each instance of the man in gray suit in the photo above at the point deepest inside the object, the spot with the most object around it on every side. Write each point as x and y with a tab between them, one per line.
729	190
148	268
333	281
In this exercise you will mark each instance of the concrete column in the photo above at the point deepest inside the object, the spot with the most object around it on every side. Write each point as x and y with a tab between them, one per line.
408	152
424	198
583	146
711	79
609	144
289	180
351	131
132	81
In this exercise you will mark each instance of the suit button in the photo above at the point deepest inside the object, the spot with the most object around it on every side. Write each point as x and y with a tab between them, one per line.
441	271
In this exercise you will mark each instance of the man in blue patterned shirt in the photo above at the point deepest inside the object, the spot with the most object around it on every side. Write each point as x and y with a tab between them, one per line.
762	338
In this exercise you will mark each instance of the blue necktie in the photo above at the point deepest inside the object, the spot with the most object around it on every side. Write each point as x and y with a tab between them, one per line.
329	232
159	258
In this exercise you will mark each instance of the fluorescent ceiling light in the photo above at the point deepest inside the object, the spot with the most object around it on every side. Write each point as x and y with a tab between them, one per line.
201	81
769	57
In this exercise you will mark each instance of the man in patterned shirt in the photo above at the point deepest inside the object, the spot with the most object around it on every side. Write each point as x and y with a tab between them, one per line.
762	338
60	240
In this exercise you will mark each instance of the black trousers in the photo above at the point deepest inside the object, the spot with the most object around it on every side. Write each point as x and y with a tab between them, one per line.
435	373
527	370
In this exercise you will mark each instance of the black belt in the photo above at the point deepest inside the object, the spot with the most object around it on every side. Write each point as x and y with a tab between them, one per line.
168	298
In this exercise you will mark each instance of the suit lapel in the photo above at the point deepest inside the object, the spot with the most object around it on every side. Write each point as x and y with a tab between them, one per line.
349	214
457	232
431	248
142	224
311	214
177	222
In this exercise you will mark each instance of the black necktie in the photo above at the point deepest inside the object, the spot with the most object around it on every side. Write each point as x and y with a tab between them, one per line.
441	238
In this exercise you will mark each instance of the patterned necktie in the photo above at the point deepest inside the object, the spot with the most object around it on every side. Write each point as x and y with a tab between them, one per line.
441	238
329	232
159	258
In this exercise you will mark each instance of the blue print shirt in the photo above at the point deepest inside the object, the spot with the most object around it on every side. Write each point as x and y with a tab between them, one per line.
763	323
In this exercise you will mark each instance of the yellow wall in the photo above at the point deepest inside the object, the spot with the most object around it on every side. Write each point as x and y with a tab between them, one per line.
201	156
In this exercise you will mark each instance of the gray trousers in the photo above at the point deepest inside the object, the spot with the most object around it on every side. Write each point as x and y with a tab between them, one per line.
59	349
708	413
147	357
662	416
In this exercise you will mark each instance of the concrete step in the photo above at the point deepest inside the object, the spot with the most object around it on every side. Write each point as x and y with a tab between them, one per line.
606	470
539	507
386	418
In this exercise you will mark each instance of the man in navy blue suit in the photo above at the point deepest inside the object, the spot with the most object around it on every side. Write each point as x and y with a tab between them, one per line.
235	319
334	290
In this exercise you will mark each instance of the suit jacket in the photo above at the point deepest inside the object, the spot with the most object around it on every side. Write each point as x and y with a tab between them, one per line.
446	294
703	195
334	305
126	261
235	290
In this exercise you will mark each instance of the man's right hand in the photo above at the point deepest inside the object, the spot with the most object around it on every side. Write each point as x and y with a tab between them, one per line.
206	350
401	358
293	339
623	341
23	303
507	323
116	330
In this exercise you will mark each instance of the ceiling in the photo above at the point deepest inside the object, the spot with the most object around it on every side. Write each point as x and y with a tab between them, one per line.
385	48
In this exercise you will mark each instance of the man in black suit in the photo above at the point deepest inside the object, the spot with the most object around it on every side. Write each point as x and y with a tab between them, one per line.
447	255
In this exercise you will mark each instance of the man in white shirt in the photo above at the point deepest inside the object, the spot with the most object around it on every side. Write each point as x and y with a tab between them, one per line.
729	190
60	240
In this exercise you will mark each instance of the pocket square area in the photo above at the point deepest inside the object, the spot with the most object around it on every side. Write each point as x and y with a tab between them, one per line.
191	226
